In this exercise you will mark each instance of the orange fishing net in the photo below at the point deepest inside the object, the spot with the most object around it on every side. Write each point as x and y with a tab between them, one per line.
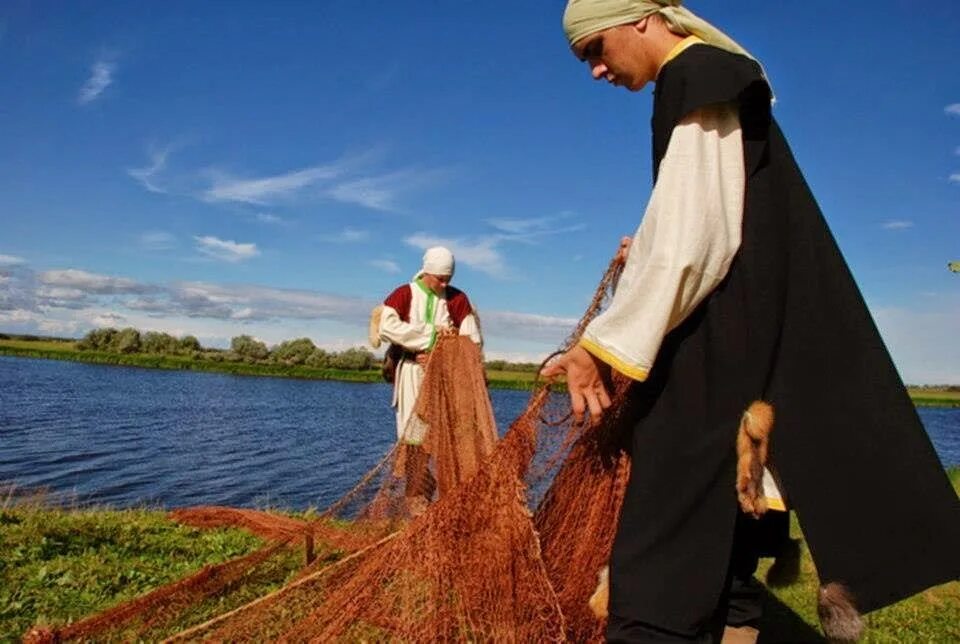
479	564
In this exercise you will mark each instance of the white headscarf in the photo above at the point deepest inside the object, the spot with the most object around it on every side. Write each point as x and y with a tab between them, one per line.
437	261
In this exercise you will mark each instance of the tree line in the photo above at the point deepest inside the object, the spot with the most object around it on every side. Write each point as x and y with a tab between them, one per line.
246	349
243	348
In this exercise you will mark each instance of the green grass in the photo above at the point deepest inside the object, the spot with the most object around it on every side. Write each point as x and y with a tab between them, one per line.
60	565
924	397
68	351
931	616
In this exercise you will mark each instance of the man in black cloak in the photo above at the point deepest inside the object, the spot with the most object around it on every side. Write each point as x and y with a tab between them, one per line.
735	291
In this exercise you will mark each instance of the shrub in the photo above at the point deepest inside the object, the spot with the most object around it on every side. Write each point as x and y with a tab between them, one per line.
319	359
154	342
126	341
248	348
356	358
293	351
97	340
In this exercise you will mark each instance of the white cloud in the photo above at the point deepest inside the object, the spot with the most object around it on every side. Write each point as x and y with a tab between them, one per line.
371	192
225	249
381	192
250	302
481	254
347	235
157	240
10	260
108	320
18	316
59	327
517	356
101	76
532	228
61	293
147	175
897	224
266	190
955	177
91	283
71	301
953	109
547	329
387	265
269	218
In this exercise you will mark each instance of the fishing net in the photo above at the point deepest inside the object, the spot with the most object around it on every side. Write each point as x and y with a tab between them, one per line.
505	542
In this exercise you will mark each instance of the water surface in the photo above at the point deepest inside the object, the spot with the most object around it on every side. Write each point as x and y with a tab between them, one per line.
130	436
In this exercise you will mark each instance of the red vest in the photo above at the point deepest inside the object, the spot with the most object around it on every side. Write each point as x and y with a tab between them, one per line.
457	303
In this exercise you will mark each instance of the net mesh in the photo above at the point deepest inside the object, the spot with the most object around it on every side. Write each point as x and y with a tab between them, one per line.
461	538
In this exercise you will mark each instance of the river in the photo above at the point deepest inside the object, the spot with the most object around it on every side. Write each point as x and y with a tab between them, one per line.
92	434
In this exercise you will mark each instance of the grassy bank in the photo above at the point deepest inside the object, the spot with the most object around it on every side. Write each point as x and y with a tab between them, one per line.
60	565
65	350
929	397
498	379
68	351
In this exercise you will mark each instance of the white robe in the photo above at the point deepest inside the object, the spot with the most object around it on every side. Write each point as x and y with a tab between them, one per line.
417	335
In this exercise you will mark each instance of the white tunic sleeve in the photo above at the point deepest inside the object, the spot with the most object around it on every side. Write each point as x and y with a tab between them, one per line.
418	336
469	327
683	248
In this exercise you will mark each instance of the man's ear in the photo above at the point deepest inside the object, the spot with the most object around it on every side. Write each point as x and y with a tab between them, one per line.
641	25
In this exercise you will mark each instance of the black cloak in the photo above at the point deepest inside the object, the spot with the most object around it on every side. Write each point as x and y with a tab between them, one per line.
787	325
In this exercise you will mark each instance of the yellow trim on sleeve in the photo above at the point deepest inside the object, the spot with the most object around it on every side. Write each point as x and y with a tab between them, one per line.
636	373
776	504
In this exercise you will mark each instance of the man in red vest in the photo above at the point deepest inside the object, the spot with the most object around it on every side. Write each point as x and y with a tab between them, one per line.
413	316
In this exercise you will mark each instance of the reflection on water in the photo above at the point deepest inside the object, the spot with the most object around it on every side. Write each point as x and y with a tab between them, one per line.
128	436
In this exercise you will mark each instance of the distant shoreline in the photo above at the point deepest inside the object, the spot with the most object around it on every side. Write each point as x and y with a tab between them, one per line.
514	380
20	349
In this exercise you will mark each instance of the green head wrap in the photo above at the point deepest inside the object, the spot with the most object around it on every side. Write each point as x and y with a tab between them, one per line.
585	17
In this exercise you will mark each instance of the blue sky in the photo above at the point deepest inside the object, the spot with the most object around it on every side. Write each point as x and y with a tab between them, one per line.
276	168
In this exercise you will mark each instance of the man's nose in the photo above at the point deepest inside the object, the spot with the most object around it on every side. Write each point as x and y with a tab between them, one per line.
598	71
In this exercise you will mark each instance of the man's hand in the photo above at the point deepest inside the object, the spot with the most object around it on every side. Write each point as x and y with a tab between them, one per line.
447	331
585	381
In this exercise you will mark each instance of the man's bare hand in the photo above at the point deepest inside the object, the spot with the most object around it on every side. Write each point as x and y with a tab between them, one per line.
623	251
585	381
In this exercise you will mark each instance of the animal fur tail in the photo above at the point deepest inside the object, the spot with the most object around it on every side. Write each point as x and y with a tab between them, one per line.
785	570
753	443
373	331
839	616
600	599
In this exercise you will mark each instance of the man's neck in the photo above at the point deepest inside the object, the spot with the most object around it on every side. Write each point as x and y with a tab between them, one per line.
678	49
662	46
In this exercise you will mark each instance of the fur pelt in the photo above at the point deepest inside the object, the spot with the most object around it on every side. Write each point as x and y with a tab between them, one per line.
600	599
839	616
786	567
373	331
753	443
